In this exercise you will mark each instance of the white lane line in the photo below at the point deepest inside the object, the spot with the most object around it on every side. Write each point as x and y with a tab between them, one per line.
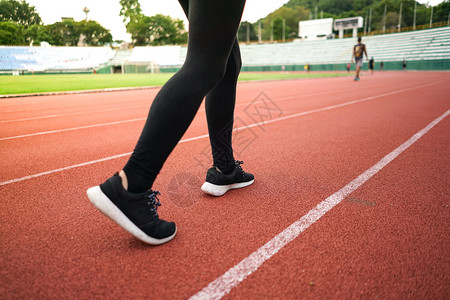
200	137
337	105
75	113
90	162
257	124
148	106
234	276
70	129
63	169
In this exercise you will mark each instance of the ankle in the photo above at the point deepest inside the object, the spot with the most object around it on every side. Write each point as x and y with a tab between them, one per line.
124	178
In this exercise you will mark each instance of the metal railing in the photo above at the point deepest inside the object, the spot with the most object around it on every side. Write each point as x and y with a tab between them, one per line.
395	29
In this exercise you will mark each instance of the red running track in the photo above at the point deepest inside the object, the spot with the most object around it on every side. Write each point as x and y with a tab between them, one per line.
350	199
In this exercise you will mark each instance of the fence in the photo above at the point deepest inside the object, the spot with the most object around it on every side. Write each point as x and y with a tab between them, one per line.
403	29
418	65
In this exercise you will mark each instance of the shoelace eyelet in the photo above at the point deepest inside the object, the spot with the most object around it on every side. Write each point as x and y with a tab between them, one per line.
153	201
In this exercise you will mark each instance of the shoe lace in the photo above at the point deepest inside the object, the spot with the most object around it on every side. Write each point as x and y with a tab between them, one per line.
238	165
153	201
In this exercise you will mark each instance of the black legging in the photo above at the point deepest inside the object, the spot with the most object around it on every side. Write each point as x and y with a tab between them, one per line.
211	69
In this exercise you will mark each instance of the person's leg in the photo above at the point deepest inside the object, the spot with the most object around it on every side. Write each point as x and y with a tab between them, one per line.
220	103
212	33
126	198
226	173
358	68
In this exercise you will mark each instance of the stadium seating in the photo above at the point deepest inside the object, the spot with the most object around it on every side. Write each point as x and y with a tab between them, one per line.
121	56
53	58
160	55
413	45
430	44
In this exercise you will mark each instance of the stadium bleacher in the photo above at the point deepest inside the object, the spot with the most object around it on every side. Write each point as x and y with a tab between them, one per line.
413	45
161	55
53	58
423	45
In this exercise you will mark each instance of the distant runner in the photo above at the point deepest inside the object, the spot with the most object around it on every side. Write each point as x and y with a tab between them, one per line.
358	53
371	65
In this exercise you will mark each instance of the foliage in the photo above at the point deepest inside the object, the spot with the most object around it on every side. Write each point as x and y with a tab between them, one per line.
441	14
37	34
69	33
11	33
94	34
154	30
131	10
157	30
361	8
19	12
371	10
65	33
23	26
275	19
273	24
247	28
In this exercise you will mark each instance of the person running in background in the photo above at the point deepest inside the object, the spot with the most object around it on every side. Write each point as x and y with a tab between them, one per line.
211	70
358	53
348	67
306	67
371	65
404	65
381	66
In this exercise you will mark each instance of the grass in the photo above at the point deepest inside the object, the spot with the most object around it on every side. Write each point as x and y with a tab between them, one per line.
70	82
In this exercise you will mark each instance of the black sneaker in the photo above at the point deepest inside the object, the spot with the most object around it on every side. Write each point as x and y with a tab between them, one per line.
136	213
218	183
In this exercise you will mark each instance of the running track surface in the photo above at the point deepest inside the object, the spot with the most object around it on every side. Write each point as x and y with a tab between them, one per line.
351	197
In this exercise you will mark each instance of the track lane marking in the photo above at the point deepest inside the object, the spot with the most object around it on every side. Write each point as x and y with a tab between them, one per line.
70	129
88	163
64	168
74	113
204	136
148	106
132	90
253	125
234	276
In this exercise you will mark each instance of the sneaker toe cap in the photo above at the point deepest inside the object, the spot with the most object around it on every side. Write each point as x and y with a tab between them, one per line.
160	229
248	177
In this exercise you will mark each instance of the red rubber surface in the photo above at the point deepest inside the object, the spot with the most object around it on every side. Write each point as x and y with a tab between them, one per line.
388	239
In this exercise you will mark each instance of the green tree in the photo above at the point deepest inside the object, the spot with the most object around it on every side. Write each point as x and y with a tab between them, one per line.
65	33
292	17
69	32
165	31
247	27
157	30
154	30
94	34
336	6
11	33
19	12
391	21
442	12
131	11
351	8
139	32
37	33
309	4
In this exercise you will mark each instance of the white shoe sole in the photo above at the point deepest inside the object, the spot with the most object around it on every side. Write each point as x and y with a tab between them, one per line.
103	204
219	190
